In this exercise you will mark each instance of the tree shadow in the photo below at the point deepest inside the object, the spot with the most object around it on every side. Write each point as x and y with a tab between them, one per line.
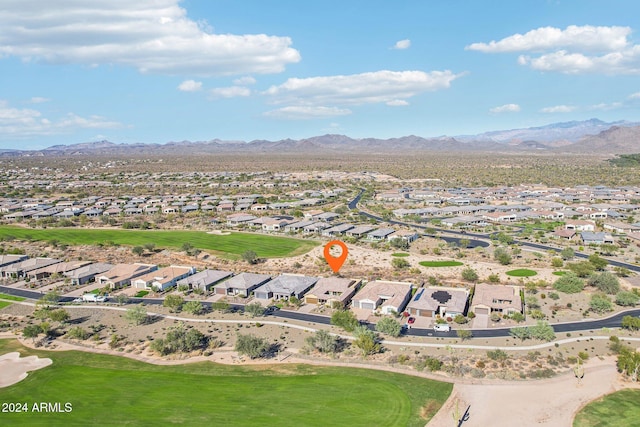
78	320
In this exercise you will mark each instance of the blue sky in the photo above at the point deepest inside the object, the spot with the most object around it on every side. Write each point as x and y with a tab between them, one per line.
168	70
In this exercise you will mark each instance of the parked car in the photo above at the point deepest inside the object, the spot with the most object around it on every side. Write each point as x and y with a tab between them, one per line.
441	327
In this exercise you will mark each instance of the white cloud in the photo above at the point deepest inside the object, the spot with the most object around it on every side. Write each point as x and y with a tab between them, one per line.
634	95
26	122
607	106
397	103
585	37
38	100
190	86
558	109
230	92
244	81
574	50
402	44
306	112
507	108
153	36
356	89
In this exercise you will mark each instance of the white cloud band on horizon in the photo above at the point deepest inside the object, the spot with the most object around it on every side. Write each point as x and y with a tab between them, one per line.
357	89
574	50
230	92
190	86
306	112
152	36
27	122
558	109
507	108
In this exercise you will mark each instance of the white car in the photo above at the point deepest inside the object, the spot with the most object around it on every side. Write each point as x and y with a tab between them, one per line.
441	327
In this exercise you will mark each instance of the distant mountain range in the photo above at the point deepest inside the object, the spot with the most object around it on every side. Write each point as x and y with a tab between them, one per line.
589	136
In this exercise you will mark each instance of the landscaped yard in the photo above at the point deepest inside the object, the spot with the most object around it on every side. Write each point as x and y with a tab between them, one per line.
440	263
11	297
141	294
521	272
4	304
620	409
233	244
109	390
400	254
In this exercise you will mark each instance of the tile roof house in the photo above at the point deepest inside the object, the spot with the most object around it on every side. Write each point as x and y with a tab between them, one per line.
205	279
285	286
501	298
10	259
332	291
446	302
23	268
57	268
122	274
85	274
384	295
242	285
163	278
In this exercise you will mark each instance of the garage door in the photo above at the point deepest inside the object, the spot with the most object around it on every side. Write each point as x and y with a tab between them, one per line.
367	305
479	310
311	300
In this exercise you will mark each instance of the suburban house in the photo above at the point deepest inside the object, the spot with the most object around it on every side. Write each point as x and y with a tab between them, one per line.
580	225
122	274
596	238
500	298
23	268
446	302
57	268
332	291
205	279
242	285
85	274
274	224
380	234
285	286
359	231
11	259
387	296
621	227
163	278
408	236
337	230
239	219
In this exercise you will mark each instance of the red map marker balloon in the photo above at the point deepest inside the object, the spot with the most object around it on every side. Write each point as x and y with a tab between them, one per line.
335	262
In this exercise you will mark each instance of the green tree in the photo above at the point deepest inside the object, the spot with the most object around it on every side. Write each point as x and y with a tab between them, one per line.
608	249
173	303
255	309
520	332
50	298
31	331
222	306
627	299
567	253
179	340
557	262
251	346
598	262
600	303
629	363
531	302
136	314
469	274
605	282
502	255
569	284
137	250
250	257
366	340
399	243
60	315
78	333
582	268
122	299
150	246
631	322
389	326
622	271
193	307
323	341
542	331
344	319
399	263
460	319
464	334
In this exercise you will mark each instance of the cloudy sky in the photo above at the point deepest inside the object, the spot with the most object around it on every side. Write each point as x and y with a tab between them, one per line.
169	70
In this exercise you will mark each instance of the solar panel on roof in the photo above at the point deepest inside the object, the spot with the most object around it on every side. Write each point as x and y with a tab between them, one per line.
441	296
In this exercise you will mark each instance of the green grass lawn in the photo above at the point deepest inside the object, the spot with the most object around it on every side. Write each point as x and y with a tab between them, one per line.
521	272
109	390
619	409
4	304
141	294
232	245
440	263
400	254
559	273
11	297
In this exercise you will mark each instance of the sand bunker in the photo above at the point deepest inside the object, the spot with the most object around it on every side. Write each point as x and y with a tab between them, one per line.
14	368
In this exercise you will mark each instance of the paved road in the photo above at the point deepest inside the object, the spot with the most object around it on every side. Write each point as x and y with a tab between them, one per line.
614	321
